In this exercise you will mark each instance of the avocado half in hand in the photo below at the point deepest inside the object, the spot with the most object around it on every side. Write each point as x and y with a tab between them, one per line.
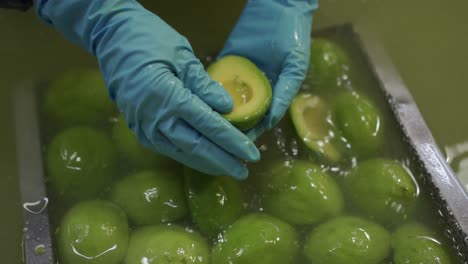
248	86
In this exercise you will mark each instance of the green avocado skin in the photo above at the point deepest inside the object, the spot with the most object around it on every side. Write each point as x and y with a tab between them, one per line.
151	197
303	190
259	239
360	121
133	152
166	245
78	98
345	240
329	67
215	202
383	190
80	164
93	232
415	243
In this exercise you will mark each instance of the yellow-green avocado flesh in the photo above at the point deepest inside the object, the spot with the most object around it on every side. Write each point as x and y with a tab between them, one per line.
248	87
309	114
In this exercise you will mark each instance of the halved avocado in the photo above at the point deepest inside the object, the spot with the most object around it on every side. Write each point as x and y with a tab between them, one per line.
310	115
248	86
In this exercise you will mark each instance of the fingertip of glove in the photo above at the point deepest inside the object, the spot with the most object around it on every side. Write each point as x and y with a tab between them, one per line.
275	115
257	131
241	174
218	98
271	122
253	152
227	103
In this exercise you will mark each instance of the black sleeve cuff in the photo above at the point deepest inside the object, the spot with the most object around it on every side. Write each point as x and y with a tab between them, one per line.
16	4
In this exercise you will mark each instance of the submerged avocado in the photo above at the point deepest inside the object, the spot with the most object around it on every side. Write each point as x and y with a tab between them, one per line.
214	202
250	89
329	69
257	238
93	232
78	97
80	164
360	121
166	245
133	152
383	190
416	243
346	240
312	120
151	197
301	193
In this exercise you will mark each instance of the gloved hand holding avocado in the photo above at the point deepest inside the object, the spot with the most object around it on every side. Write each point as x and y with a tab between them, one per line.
163	91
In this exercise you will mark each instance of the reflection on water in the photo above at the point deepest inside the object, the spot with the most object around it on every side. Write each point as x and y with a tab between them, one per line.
457	157
114	247
36	207
40	250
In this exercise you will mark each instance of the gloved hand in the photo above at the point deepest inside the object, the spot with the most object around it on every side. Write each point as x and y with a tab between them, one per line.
157	82
275	35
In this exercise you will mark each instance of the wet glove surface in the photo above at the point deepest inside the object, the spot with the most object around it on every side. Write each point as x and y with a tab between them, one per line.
275	35
158	84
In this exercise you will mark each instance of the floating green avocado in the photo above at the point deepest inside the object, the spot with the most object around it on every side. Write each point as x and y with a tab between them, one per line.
299	192
166	245
329	67
312	120
360	122
345	240
133	152
248	86
93	232
415	243
382	189
259	239
80	163
78	97
151	197
215	202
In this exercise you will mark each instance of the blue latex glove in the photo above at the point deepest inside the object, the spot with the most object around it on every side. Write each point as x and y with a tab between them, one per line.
275	35
157	82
